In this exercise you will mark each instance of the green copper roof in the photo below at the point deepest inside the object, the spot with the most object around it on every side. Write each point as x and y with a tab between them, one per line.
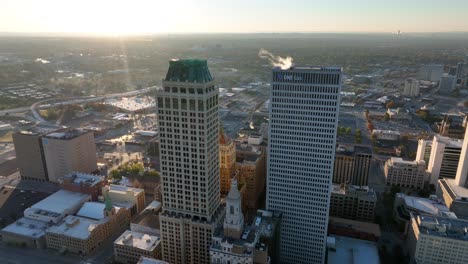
108	206
192	70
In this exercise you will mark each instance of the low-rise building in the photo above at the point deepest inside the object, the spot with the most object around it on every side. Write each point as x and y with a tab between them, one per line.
352	164
386	134
345	250
147	222
405	204
353	202
128	197
130	246
56	206
145	260
437	239
25	232
399	172
353	229
83	183
84	233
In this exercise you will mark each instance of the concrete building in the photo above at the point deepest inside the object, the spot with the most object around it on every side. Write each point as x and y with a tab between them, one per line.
188	120
454	192
431	72
354	229
131	246
352	164
405	204
386	134
424	151
83	183
353	202
145	260
30	155
56	206
411	88
147	222
227	162
447	83
236	242
345	250
86	232
443	162
131	198
437	239
399	172
460	72
68	151
251	163
302	141
30	229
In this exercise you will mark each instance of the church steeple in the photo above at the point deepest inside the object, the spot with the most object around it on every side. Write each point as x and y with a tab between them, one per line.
234	221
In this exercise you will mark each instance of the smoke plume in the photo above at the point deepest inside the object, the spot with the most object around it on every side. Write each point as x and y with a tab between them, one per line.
276	61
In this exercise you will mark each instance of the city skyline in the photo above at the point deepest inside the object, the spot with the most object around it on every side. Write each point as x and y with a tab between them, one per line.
142	16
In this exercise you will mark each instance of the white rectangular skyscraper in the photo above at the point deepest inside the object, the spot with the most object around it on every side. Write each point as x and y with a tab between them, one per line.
303	122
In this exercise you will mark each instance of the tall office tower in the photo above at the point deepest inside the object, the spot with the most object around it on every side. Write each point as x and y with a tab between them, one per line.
460	72
30	156
447	83
187	108
227	159
303	123
67	151
424	150
445	154
411	88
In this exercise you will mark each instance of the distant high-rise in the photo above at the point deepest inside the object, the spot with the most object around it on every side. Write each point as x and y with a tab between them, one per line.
431	72
187	108
411	87
67	151
303	122
30	156
447	83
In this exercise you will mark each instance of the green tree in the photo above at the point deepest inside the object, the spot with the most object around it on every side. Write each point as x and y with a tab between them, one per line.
348	131
115	174
386	117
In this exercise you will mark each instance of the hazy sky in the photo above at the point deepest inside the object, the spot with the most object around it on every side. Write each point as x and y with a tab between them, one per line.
144	16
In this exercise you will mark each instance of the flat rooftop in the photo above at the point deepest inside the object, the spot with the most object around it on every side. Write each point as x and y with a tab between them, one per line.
121	188
68	134
456	192
355	225
61	201
138	240
345	189
344	250
434	207
309	68
82	178
146	260
27	227
441	226
92	210
75	227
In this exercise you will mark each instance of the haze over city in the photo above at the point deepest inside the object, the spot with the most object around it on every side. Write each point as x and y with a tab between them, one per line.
233	132
210	16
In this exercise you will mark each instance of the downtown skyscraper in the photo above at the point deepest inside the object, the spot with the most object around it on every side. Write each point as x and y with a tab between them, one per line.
187	107
303	123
